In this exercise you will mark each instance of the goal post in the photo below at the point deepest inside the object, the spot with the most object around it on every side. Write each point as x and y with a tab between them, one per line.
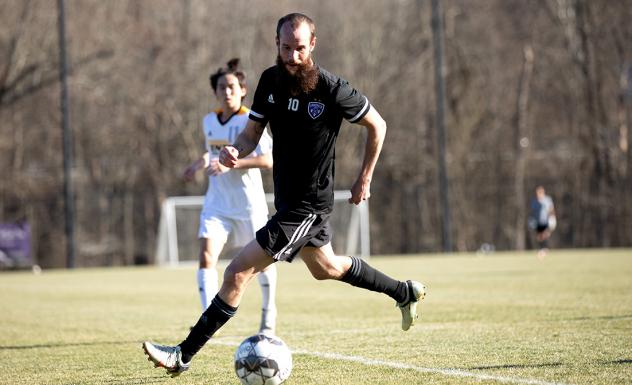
177	241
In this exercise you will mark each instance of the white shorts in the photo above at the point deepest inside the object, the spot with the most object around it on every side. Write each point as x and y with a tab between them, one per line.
234	233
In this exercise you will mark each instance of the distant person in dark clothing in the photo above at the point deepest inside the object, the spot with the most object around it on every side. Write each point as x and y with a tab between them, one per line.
542	219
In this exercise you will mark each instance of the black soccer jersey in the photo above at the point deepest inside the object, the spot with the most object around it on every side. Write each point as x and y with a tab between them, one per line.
304	129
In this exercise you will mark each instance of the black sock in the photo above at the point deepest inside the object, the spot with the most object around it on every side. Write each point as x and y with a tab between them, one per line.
362	275
213	318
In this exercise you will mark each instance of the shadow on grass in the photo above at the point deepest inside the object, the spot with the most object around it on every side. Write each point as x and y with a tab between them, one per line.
136	380
618	362
516	366
64	345
623	361
605	317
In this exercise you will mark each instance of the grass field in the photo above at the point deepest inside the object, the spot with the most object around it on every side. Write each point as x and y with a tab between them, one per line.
504	318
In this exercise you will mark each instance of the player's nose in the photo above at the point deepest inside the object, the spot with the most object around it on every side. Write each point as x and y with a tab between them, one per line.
293	57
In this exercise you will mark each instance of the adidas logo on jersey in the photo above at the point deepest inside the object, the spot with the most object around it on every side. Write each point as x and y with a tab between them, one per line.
270	99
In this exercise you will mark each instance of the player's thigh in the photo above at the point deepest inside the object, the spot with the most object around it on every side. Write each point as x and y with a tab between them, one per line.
248	231
323	263
251	260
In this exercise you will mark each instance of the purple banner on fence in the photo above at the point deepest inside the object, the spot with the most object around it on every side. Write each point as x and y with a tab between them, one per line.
15	245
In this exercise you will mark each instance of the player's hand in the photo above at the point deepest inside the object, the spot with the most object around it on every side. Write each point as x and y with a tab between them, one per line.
189	173
360	191
216	168
228	156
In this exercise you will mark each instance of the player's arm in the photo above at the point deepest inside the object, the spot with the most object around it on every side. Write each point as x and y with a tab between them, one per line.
376	130
259	161
245	143
200	163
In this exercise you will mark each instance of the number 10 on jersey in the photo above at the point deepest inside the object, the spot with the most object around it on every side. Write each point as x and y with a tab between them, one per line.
292	104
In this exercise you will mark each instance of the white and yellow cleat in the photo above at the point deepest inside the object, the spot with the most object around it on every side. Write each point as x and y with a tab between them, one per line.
168	357
416	293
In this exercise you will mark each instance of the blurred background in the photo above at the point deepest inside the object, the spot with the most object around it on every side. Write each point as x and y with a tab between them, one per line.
537	92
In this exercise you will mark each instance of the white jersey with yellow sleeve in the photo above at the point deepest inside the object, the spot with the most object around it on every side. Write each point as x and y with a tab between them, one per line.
238	193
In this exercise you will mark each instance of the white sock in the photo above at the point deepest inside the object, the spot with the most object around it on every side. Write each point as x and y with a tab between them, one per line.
208	286
267	281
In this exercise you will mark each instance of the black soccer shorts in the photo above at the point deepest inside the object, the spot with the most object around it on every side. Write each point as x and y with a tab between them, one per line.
541	228
286	233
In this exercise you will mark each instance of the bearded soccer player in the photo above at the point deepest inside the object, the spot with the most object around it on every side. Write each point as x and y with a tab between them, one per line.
304	105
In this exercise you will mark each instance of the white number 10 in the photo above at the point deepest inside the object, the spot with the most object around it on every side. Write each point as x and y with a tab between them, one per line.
292	104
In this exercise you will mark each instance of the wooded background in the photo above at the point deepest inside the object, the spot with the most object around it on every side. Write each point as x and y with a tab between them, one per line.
538	92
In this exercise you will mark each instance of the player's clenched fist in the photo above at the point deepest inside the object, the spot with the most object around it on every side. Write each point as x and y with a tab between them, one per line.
228	156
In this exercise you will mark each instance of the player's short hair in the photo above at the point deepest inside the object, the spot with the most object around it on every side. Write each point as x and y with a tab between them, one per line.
296	19
232	67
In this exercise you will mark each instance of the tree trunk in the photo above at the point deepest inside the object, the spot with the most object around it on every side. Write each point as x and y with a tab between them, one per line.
521	143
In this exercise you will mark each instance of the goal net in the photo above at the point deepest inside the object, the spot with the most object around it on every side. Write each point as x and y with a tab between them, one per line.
177	241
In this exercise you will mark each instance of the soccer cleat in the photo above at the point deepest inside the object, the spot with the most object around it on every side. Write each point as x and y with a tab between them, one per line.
268	322
416	292
168	357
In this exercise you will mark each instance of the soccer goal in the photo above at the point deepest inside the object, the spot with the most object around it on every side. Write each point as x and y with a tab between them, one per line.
177	241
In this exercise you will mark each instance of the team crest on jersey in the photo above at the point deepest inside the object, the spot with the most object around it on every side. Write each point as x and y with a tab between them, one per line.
315	109
270	99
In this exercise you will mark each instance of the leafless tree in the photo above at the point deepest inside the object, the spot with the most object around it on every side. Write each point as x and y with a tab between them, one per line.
550	74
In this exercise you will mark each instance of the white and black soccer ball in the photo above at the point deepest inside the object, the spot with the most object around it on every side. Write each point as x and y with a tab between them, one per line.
263	360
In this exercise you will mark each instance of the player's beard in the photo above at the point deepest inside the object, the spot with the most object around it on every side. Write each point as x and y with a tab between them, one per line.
303	80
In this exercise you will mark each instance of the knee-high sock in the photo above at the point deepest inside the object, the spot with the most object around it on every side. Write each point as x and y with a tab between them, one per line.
213	318
208	285
268	280
362	275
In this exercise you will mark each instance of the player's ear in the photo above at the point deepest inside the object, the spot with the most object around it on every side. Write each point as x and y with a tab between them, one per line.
276	39
312	44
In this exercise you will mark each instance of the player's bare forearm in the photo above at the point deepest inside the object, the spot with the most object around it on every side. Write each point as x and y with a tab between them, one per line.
262	161
248	139
373	147
376	131
200	163
245	143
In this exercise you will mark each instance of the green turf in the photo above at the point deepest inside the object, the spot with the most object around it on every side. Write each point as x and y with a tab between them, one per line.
503	318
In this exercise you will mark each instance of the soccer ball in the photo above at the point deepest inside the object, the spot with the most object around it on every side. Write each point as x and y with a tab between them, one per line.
263	360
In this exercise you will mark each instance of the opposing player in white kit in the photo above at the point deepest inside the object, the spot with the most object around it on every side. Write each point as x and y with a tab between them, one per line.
235	206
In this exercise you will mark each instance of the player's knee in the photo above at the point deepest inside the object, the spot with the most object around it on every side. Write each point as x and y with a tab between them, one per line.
231	276
236	278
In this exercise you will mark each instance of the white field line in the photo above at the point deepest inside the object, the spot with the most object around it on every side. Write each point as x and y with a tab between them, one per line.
400	365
